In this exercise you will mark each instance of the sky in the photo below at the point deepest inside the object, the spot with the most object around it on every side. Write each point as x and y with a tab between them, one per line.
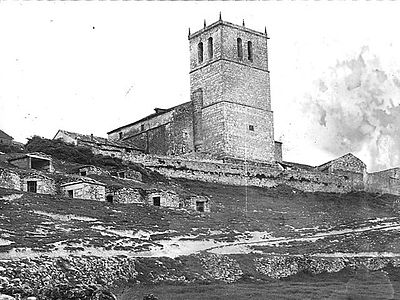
91	67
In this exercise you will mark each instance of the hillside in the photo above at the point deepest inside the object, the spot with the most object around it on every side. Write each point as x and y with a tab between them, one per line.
255	243
329	232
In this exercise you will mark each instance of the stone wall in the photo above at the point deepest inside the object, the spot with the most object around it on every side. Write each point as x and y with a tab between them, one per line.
346	162
44	184
382	182
252	173
85	190
167	198
125	195
9	179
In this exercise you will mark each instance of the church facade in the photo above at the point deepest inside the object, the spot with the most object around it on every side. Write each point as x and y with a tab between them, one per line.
229	114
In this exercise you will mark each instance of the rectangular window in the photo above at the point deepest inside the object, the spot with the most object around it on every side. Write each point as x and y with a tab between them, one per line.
251	127
83	173
120	135
142	127
70	193
32	186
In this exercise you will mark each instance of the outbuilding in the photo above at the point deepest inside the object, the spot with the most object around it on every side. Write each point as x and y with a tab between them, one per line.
84	188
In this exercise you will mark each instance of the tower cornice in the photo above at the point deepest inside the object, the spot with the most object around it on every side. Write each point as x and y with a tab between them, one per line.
228	24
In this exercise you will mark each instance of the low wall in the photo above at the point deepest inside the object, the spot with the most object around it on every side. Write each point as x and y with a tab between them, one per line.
253	173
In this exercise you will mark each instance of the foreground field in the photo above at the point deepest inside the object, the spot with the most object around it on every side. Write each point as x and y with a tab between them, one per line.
256	243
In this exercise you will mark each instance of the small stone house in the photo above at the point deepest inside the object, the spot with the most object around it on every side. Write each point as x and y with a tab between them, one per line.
38	183
36	161
127	174
98	145
121	194
386	181
164	198
84	188
199	203
89	170
5	139
345	163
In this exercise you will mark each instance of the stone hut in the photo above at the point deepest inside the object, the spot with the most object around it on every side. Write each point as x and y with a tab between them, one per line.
386	181
350	167
87	170
5	139
98	145
345	163
164	198
84	188
36	182
124	194
127	174
198	203
36	161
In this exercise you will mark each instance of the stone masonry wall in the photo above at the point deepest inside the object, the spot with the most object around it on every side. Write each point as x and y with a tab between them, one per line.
255	174
125	195
87	191
44	184
9	179
256	143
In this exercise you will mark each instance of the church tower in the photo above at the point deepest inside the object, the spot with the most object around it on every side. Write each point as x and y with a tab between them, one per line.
230	92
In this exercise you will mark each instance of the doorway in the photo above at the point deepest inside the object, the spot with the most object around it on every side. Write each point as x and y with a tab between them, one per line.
200	206
32	186
157	201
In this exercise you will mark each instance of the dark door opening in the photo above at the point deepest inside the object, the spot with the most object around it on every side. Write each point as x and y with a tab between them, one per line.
83	173
32	186
71	194
110	198
200	206
156	201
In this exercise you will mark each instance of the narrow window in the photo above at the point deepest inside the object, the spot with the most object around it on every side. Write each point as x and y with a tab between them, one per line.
120	135
210	48
250	50
200	52
239	48
251	127
142	127
70	193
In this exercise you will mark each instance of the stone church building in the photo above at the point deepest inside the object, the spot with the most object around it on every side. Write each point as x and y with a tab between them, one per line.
229	114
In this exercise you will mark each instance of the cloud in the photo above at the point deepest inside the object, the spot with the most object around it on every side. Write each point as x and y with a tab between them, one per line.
355	107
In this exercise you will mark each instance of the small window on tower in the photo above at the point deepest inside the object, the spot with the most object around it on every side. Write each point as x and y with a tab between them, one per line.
210	48
251	127
239	48
250	50
200	52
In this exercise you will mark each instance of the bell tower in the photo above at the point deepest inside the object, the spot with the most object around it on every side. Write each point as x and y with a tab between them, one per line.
230	92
